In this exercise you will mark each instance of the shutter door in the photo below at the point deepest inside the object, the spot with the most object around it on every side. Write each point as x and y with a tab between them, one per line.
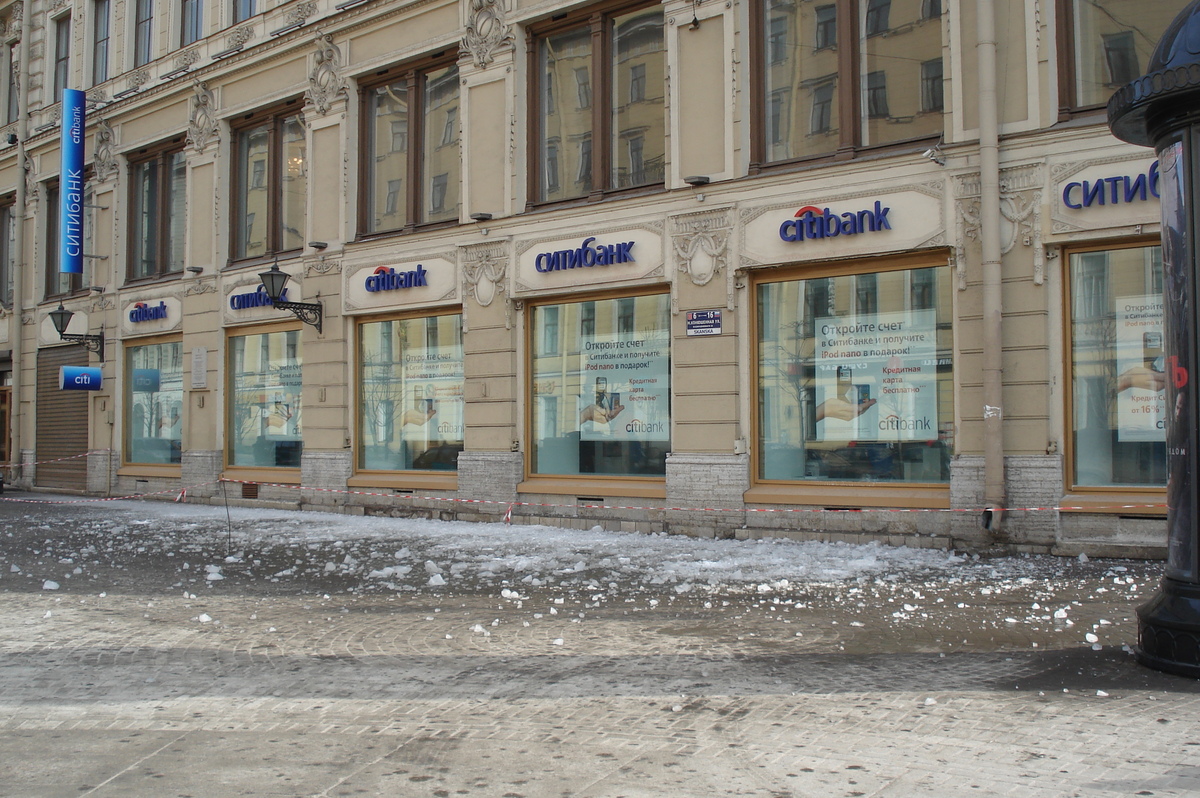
62	422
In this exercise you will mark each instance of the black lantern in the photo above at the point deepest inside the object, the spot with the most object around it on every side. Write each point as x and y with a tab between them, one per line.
60	317
1162	109
274	281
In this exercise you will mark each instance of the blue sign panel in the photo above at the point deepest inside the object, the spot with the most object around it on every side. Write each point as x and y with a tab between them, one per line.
1115	190
79	378
70	259
146	380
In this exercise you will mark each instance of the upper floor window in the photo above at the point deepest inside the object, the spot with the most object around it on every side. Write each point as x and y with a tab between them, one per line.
191	16
857	87
143	32
620	57
412	167
58	283
270	182
101	22
243	10
1106	44
62	56
12	103
158	213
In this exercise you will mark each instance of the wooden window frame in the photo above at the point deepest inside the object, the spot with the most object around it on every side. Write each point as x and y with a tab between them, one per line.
273	118
159	155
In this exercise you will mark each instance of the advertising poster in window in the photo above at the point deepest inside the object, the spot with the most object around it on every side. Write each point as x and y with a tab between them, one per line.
877	377
1141	403
433	398
626	383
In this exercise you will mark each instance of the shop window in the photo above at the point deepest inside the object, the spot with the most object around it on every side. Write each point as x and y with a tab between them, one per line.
855	378
411	394
1117	368
154	403
191	20
101	26
861	86
270	184
158	219
622	56
411	136
603	392
1105	44
265	427
143	32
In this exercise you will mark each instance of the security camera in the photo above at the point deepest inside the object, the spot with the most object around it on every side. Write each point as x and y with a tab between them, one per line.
935	155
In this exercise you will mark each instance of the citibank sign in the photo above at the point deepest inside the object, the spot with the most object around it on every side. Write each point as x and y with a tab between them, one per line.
143	312
388	279
255	299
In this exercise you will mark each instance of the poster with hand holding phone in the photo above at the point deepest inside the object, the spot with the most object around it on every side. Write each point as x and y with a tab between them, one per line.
876	377
1140	368
626	388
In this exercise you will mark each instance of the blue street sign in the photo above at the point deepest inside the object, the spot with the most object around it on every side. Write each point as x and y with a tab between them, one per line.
71	182
79	378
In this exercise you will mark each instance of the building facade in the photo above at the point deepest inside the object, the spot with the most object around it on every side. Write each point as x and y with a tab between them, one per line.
861	269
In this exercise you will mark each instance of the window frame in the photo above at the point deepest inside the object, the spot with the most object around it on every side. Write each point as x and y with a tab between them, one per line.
842	491
50	259
416	138
172	466
597	20
1154	494
101	41
143	32
231	438
62	57
191	14
8	218
160	156
272	178
847	109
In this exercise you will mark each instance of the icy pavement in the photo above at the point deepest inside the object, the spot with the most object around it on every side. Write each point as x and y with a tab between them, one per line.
163	649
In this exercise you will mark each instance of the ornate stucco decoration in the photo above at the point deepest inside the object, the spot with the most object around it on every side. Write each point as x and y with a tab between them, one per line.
13	23
485	267
187	59
104	159
28	319
198	287
202	126
487	32
300	13
139	78
326	82
323	265
58	5
237	38
103	303
1020	217
701	244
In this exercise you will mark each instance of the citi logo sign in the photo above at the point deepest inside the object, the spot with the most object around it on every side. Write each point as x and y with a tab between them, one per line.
256	299
143	312
637	426
811	222
387	279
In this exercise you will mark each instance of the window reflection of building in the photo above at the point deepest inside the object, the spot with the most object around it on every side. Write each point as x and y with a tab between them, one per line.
154	403
265	419
1111	41
897	51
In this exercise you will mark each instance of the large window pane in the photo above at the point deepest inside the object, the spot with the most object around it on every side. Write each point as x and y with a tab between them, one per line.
145	227
602	387
1113	42
386	172
254	183
295	184
855	378
264	405
800	67
900	98
1117	367
638	89
176	222
154	403
565	123
411	394
442	164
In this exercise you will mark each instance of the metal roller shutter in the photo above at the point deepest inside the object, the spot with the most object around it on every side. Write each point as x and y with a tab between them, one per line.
62	422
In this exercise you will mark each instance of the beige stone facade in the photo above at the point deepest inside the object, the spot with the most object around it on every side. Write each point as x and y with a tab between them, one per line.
691	96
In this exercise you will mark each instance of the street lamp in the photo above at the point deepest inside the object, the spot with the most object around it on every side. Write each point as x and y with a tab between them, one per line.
60	317
1162	109
274	281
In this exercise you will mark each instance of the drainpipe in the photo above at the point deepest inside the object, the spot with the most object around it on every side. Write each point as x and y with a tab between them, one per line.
989	224
16	328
